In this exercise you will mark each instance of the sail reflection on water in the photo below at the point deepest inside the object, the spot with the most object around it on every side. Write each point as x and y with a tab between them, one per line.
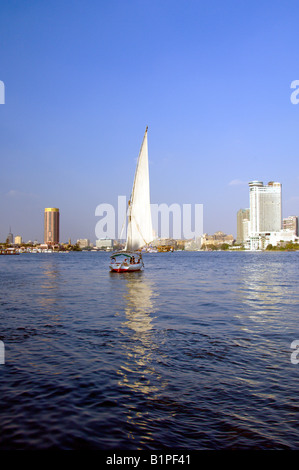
48	296
140	304
138	370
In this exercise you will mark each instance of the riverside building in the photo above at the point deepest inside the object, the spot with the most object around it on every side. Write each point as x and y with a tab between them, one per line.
265	207
265	212
266	224
51	226
9	237
243	221
291	223
263	225
83	242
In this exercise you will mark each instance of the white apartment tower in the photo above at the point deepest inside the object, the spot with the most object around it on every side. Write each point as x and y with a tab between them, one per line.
265	207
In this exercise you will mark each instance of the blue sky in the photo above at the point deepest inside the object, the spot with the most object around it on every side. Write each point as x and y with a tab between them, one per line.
83	79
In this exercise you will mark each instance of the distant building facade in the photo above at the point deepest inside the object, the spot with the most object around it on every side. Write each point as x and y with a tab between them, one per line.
291	223
265	212
51	226
83	242
280	238
105	244
18	240
218	239
243	221
9	237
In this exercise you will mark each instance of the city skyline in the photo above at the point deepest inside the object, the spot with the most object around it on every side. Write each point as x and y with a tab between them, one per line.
213	83
264	215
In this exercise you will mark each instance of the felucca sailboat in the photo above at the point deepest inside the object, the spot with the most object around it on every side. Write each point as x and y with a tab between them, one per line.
139	230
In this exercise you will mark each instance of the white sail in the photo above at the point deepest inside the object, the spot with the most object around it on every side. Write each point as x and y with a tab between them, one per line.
140	230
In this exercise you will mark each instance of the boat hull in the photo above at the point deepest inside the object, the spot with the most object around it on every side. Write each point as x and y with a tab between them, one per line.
9	253
125	269
123	262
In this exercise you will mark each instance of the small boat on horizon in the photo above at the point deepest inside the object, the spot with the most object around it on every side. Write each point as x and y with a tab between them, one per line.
9	251
140	229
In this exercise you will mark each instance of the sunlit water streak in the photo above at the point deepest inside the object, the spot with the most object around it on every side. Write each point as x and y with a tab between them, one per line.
192	353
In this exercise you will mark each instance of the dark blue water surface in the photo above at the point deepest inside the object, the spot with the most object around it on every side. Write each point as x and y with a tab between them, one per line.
193	353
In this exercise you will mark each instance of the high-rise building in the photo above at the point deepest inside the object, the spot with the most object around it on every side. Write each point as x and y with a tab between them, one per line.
265	207
18	240
243	218
291	223
9	237
51	226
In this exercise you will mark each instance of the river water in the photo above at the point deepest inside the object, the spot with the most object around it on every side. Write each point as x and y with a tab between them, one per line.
192	353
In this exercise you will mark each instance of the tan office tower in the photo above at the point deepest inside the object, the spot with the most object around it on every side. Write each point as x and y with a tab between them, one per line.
51	227
265	207
243	218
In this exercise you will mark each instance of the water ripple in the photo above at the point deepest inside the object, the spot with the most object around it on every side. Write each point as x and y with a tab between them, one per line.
174	357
